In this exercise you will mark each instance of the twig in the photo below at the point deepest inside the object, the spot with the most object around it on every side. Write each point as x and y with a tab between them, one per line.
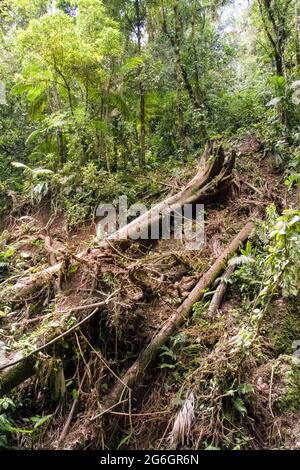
140	414
118	251
87	367
85	307
103	360
270	392
108	409
80	260
256	190
29	321
72	411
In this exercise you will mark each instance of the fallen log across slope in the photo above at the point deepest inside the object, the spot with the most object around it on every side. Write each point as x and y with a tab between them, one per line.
212	179
136	372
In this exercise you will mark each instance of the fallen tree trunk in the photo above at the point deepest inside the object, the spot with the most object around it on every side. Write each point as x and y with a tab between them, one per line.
220	292
211	180
135	373
26	286
13	376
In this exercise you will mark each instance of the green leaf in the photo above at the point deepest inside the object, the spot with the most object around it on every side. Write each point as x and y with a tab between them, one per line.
20	165
167	366
132	63
240	406
7	403
294	220
40	420
33	135
20	88
123	441
245	388
41	171
168	353
9	253
5	423
100	125
274	101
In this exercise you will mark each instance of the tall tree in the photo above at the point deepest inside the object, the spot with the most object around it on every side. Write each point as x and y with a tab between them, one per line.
276	20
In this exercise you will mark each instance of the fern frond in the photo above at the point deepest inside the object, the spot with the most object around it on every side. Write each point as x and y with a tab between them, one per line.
241	260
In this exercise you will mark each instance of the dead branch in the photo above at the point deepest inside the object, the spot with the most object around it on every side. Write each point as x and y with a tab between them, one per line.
251	186
220	292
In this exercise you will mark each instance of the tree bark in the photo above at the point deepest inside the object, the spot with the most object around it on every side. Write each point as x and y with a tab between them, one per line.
13	376
297	28
142	154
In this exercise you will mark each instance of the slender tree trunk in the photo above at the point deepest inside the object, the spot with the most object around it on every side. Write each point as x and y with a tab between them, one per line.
60	141
142	153
297	28
275	29
143	127
179	103
61	148
181	71
176	42
196	63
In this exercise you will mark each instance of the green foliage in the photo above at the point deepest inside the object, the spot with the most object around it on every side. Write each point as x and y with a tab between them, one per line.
5	258
8	426
238	109
37	181
284	326
287	384
291	180
273	263
290	399
283	260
